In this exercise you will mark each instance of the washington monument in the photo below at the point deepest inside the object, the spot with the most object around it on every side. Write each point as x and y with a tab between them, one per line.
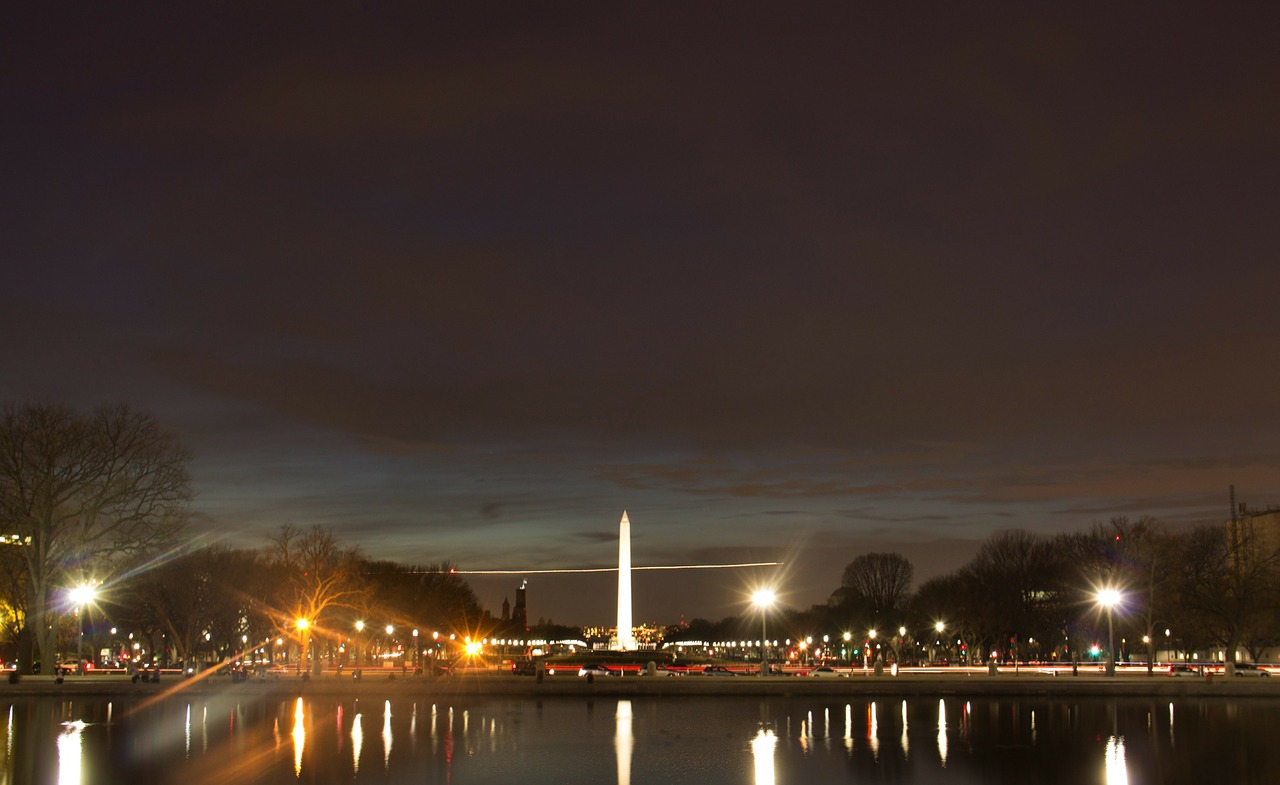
625	640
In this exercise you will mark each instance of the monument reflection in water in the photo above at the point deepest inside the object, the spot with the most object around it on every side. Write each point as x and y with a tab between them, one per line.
649	740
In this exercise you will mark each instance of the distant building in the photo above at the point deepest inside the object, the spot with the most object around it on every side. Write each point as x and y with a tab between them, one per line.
520	613
1253	532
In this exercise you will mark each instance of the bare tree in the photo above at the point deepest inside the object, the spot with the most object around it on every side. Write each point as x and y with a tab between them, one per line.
1228	581
83	493
879	581
1021	580
318	575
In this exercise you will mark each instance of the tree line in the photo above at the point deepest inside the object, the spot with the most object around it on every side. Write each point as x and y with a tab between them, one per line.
100	502
1208	590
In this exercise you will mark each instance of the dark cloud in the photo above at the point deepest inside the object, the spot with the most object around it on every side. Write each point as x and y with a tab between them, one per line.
464	286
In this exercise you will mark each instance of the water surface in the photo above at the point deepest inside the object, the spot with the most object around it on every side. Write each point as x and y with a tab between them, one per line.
702	741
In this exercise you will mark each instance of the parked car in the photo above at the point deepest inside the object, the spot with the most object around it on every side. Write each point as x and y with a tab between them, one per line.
1250	669
825	671
598	670
717	670
524	668
1184	670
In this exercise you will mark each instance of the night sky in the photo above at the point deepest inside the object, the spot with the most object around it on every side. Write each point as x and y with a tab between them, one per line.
783	283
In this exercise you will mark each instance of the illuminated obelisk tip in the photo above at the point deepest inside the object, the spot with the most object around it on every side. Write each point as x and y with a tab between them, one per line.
626	636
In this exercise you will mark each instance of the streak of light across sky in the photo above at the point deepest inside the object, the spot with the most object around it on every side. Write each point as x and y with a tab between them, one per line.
615	569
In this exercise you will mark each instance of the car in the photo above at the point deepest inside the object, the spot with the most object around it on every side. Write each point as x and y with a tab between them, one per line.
661	670
1250	669
598	670
717	670
1184	670
824	671
524	668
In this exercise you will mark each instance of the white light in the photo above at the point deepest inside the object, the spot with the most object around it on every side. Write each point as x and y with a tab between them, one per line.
83	594
1108	597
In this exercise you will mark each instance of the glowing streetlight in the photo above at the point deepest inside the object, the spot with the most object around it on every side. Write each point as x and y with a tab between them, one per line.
763	599
359	630
1109	598
303	625
82	595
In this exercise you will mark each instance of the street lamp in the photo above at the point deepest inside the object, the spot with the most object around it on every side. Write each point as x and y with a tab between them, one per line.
763	599
82	595
1109	598
303	625
359	630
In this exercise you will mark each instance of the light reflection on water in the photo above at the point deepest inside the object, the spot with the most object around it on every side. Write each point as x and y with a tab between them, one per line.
1117	773
386	736
357	742
906	744
942	731
683	740
623	742
299	736
762	752
873	730
70	754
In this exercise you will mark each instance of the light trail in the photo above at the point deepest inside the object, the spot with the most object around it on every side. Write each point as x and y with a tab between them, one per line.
615	569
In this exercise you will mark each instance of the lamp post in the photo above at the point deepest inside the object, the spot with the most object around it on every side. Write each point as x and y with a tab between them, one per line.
416	650
359	631
1109	598
82	595
762	599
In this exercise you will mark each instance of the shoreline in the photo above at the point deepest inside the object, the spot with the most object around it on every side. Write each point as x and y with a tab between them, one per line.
506	686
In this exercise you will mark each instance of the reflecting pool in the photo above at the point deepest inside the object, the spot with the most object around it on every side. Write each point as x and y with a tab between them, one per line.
761	741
